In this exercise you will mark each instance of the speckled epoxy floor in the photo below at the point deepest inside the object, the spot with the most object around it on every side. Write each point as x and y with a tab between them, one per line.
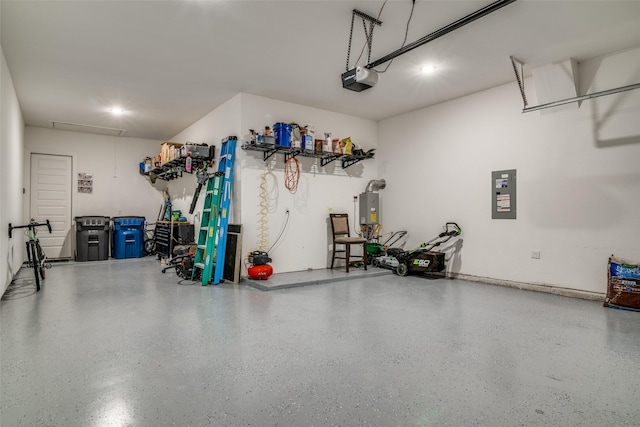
119	344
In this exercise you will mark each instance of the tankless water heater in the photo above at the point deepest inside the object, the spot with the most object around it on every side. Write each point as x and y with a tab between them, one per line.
369	208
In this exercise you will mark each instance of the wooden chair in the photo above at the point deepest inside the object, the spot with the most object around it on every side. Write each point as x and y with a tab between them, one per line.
341	236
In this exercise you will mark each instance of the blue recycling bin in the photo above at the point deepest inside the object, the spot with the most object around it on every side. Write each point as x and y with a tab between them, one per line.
128	237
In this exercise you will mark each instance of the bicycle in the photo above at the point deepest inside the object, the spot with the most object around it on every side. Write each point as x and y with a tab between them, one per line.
36	258
149	238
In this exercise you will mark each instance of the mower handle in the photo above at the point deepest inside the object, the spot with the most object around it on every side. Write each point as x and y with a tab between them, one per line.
455	232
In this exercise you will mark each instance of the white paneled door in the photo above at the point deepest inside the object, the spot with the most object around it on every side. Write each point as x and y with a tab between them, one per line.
51	186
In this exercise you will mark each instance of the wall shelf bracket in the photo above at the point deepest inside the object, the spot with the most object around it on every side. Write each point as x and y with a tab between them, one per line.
291	154
351	160
268	153
324	161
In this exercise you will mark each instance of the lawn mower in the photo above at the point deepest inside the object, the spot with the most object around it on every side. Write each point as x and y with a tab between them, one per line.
421	259
376	249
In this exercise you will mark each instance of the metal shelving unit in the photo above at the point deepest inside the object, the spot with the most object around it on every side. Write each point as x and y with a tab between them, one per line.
175	168
269	150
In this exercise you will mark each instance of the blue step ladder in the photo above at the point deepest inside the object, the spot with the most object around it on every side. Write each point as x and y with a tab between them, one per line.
225	165
214	225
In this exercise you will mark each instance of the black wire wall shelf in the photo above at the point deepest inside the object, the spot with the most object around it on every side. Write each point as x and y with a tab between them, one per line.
347	160
175	168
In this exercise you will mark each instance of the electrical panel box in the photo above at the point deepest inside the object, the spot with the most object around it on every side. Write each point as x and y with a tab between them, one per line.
503	191
369	209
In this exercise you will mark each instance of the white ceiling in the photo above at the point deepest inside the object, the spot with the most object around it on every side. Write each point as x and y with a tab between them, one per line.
168	63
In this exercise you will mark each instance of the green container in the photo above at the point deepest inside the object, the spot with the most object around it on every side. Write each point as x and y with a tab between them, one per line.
375	249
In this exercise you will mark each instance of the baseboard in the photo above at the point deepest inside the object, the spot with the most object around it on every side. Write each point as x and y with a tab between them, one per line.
50	261
567	292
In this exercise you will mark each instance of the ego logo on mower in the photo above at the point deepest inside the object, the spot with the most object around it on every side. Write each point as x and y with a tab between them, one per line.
422	262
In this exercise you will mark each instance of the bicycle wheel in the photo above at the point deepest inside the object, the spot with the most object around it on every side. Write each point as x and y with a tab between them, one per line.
149	246
41	260
35	262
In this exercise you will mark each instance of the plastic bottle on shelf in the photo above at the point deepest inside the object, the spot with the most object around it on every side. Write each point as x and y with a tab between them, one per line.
188	163
308	138
327	146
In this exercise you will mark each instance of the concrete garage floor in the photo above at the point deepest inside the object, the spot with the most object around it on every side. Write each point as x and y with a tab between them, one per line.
117	343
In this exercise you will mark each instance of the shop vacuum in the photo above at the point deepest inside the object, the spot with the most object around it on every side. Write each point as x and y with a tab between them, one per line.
259	269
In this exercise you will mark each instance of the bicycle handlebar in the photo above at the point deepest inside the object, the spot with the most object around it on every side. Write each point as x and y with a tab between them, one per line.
31	226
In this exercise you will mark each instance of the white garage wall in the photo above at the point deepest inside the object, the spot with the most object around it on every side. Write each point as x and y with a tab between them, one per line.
11	172
305	239
118	187
220	123
578	179
305	242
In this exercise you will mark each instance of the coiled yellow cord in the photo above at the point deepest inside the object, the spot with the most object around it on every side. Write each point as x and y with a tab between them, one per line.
263	221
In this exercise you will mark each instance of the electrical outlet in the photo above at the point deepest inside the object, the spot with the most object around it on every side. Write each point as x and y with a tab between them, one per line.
535	254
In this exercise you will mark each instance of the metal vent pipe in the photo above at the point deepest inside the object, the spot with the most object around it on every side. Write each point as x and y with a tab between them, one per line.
376	184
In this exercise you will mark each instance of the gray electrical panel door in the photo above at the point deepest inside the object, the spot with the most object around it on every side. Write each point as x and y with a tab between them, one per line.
503	194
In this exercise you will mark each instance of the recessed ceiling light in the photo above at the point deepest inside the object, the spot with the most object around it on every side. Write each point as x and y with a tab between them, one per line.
117	111
428	69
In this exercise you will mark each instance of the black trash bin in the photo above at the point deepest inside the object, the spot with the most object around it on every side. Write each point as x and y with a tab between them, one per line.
92	238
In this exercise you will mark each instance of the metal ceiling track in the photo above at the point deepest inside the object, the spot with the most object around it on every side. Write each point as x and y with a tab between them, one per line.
367	17
368	32
442	31
525	109
581	98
